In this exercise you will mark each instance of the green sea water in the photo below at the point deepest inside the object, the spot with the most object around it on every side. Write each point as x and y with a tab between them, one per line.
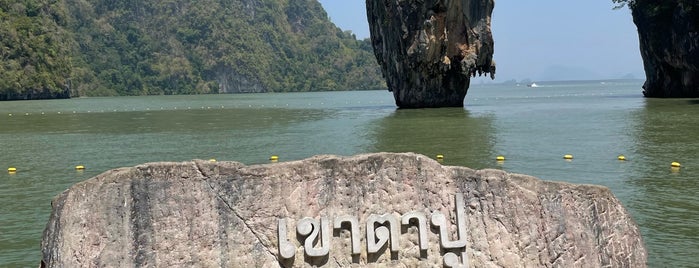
533	128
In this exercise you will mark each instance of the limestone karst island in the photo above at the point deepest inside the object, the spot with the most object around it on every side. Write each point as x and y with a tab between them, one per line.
258	133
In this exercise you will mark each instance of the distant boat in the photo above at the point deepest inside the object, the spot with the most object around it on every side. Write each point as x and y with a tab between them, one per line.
533	85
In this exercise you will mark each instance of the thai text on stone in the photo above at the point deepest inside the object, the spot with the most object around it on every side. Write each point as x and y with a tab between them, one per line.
381	231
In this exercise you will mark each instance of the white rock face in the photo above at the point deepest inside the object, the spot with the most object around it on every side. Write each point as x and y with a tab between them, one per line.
320	212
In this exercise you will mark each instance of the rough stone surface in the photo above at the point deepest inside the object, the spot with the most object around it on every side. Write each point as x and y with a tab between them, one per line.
225	214
669	39
429	49
230	81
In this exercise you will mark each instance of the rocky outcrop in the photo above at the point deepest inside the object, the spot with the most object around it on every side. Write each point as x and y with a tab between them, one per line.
385	210
229	81
669	39
428	50
34	94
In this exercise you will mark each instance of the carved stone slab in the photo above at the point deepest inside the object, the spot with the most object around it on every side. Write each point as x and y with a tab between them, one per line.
377	210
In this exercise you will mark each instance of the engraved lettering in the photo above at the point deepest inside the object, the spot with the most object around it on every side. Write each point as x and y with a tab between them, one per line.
440	221
313	229
421	226
287	250
452	260
382	233
354	229
315	235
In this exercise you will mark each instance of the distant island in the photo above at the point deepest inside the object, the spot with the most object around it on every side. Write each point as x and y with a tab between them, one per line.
61	49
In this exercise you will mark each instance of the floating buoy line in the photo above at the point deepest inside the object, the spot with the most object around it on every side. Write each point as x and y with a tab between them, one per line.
299	105
675	166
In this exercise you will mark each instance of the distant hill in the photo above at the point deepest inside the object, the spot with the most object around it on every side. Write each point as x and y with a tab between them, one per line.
105	47
35	50
565	73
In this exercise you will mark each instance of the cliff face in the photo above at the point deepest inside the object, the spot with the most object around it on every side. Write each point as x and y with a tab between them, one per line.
669	39
35	94
429	49
384	210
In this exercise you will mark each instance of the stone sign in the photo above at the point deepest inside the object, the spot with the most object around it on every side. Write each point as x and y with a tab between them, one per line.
377	210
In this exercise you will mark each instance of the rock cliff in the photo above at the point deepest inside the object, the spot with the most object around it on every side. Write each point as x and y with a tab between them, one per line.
35	94
429	49
669	39
386	210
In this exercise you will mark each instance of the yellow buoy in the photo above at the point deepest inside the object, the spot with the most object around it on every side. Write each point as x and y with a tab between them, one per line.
440	157
675	164
79	167
568	157
621	158
12	170
212	160
274	158
500	158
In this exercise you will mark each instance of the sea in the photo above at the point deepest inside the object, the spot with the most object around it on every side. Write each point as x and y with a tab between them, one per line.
531	127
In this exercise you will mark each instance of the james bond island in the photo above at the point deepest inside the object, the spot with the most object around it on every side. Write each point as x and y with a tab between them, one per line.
428	50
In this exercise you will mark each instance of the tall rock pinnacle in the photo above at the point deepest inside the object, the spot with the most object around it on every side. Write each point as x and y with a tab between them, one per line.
669	39
429	49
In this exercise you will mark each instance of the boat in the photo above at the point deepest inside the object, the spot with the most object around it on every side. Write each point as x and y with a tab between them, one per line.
533	85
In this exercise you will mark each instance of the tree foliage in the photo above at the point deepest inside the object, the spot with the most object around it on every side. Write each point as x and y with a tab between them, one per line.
622	3
34	50
105	47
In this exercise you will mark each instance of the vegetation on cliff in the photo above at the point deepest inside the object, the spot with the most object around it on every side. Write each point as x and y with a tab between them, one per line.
34	50
102	47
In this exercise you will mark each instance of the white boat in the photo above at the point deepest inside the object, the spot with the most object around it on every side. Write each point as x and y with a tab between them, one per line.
533	85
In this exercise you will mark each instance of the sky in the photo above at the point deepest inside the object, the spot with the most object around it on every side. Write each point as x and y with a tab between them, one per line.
542	40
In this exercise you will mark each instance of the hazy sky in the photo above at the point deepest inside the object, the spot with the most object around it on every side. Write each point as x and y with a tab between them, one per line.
543	39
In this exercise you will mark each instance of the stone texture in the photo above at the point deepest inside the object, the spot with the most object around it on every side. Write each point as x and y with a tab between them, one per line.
225	214
429	49
669	39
